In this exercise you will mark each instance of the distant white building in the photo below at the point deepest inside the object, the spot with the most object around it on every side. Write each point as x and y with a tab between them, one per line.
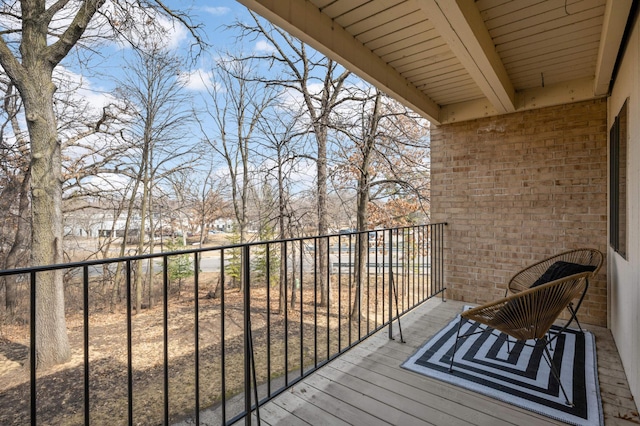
224	225
94	224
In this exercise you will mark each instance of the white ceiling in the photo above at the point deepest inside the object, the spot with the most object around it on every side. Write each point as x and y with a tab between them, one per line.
458	60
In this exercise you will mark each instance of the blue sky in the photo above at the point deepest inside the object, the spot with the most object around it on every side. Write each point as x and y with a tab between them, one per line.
98	75
214	16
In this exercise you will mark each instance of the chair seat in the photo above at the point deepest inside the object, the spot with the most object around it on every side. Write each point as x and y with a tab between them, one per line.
556	267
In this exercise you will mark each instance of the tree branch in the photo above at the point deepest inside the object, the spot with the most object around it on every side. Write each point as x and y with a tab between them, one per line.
57	51
11	65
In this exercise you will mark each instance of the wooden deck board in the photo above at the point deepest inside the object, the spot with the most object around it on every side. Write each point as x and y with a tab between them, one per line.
367	386
391	412
472	406
317	391
422	401
303	410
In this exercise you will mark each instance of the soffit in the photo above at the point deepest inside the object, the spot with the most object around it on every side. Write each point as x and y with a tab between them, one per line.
457	60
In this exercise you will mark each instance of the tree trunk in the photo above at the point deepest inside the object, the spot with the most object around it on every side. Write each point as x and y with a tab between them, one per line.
143	225
294	281
21	244
125	238
362	204
52	343
152	241
323	227
15	257
281	235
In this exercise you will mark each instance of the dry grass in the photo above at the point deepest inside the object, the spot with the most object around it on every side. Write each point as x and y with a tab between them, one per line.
60	398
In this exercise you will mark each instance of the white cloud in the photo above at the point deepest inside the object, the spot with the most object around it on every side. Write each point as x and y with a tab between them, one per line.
108	182
304	175
217	11
81	89
264	46
151	29
174	34
199	80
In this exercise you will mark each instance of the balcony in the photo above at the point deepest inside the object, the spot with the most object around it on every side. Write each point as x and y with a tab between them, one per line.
367	385
258	330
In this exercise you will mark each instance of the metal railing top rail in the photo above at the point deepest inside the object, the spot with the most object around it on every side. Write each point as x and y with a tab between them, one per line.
96	262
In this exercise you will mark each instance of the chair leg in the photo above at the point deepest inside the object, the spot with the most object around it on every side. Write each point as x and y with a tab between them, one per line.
554	370
574	312
551	339
455	345
574	317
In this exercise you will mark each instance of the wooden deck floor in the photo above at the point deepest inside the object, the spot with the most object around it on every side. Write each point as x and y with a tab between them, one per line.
366	386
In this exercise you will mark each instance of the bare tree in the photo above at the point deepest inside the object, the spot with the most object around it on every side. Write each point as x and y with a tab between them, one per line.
38	35
161	114
14	195
239	103
320	82
206	202
280	144
388	160
76	126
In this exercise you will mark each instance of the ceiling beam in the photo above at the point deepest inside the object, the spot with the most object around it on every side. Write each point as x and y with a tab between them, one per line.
303	20
461	26
540	97
615	22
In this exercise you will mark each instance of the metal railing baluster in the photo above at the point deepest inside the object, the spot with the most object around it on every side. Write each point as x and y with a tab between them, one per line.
129	347
286	316
32	348
223	375
196	332
315	302
85	341
301	282
165	336
268	254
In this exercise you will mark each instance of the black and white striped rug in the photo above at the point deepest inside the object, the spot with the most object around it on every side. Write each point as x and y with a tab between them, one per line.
521	377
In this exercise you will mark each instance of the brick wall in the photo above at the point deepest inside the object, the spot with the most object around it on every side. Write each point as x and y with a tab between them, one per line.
516	189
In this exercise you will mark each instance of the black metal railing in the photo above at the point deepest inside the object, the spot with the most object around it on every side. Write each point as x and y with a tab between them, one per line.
236	324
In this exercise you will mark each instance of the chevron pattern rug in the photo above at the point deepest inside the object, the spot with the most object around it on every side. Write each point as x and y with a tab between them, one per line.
520	377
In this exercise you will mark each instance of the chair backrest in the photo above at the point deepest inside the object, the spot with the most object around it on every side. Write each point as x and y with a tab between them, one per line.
530	313
523	279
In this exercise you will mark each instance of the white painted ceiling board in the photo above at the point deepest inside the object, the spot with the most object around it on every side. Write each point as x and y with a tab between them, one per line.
338	8
496	9
435	78
546	15
548	38
412	35
553	59
431	56
322	3
428	49
505	46
394	12
462	97
398	24
524	32
447	61
591	37
570	71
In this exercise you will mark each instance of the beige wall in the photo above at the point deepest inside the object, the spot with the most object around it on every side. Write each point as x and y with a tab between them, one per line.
624	274
516	189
